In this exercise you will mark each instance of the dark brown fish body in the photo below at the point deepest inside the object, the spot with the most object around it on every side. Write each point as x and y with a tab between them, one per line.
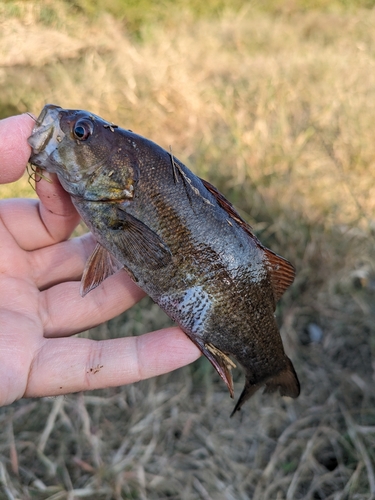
179	239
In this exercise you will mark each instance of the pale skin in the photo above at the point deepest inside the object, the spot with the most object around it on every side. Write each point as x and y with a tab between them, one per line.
40	304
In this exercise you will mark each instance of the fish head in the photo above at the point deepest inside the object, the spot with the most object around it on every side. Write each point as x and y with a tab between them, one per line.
87	153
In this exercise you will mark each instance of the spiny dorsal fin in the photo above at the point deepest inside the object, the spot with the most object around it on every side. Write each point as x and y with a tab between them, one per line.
282	273
177	168
100	266
229	208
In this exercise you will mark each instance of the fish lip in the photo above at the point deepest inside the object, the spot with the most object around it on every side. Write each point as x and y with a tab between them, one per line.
46	134
45	110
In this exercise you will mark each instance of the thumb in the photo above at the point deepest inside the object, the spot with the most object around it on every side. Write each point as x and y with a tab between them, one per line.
14	149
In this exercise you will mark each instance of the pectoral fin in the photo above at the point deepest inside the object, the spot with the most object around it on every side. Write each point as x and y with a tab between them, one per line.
100	266
139	244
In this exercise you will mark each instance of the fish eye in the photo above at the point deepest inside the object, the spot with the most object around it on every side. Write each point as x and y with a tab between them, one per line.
82	130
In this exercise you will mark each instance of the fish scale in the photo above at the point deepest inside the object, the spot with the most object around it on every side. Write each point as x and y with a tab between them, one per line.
178	238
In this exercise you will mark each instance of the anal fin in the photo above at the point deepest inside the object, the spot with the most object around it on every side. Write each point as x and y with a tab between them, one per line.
221	362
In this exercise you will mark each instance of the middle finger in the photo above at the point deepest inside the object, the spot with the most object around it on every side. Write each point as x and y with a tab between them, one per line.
61	262
64	312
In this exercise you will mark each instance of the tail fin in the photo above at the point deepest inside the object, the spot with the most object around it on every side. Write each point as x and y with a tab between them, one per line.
246	394
286	381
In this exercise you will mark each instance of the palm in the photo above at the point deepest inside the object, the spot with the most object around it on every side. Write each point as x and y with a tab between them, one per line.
39	296
40	305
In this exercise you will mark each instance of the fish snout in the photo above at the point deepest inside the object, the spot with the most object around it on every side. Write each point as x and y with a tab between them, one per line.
46	134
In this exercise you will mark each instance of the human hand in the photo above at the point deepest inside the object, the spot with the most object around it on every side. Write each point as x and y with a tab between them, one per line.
40	304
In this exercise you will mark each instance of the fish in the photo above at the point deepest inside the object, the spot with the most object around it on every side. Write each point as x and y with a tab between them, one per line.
178	238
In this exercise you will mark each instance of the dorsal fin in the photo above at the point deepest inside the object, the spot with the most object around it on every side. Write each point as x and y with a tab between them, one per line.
231	211
281	271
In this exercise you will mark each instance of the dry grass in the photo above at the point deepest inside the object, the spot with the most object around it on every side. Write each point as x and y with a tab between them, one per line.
278	112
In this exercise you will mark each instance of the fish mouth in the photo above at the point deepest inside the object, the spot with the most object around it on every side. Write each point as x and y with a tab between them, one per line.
46	134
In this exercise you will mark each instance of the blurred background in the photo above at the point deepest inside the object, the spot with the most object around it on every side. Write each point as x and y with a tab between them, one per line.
274	103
